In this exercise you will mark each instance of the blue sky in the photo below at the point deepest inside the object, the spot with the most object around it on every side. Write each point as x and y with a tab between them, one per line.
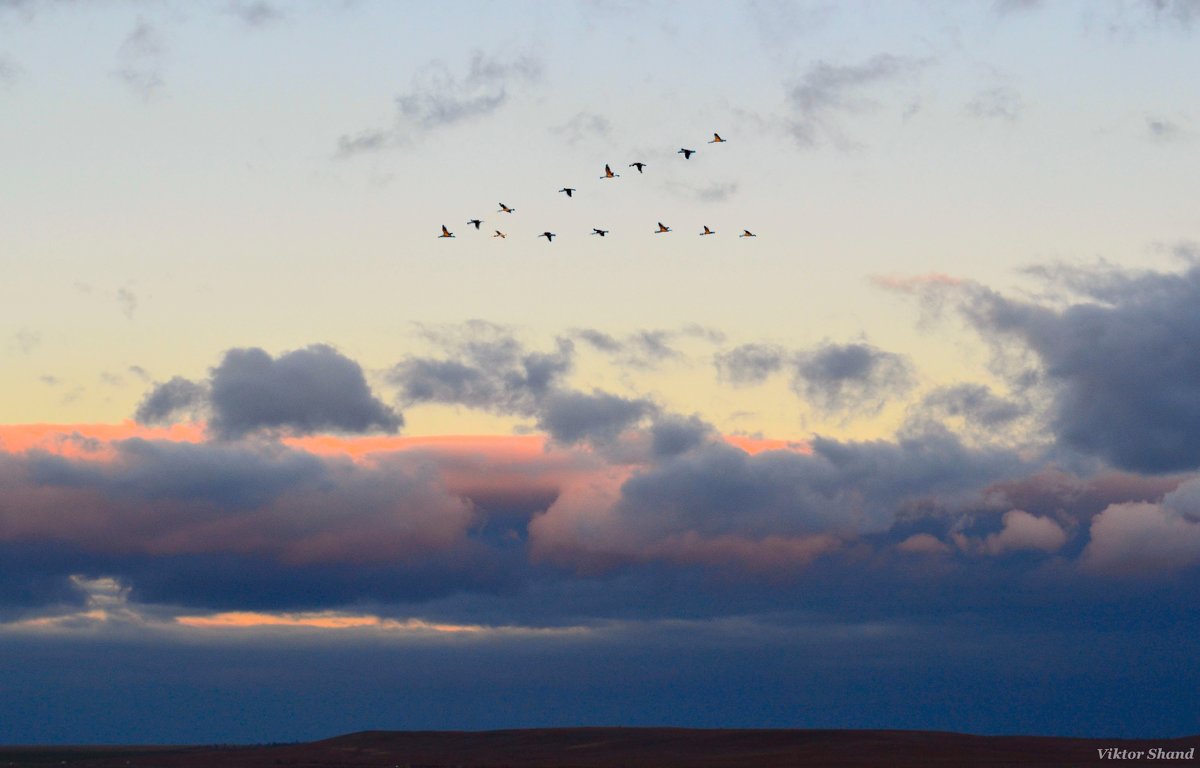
279	462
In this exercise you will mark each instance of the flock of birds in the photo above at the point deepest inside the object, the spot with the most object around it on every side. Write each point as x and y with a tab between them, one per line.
608	174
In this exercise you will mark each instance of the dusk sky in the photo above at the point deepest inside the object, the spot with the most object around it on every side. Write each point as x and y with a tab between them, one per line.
278	463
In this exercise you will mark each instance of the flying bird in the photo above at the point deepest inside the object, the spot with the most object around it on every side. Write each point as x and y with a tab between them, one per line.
476	222
601	232
747	233
662	228
687	153
639	166
506	209
716	139
446	232
569	190
608	174
499	234
549	236
707	231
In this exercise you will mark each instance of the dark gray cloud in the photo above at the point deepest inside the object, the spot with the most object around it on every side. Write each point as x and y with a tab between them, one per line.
439	98
1117	355
305	391
718	505
300	392
487	368
844	378
141	58
996	104
826	91
750	363
166	401
572	417
641	349
974	403
672	434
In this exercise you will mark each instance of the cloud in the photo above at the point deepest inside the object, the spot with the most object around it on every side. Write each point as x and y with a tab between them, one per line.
645	349
439	98
844	378
584	126
365	141
1005	7
750	363
573	417
672	434
923	544
1147	539
25	341
1141	539
300	392
1023	531
166	401
1163	131
178	501
825	91
487	368
975	404
713	498
1182	12
10	71
996	104
128	301
1117	358
304	391
714	192
141	58
256	13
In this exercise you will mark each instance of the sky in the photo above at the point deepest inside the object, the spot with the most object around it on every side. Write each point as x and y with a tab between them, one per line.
277	462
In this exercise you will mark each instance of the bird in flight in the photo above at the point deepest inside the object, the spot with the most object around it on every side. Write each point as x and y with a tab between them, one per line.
499	234
446	232
506	209
662	228
687	153
569	190
549	236
608	174
707	231
716	139
601	232
747	233
639	166
476	222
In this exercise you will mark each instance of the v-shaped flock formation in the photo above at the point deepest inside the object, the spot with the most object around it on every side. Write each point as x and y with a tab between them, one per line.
608	174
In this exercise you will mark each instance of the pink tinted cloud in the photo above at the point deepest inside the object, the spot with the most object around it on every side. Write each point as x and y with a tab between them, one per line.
1141	539
1023	531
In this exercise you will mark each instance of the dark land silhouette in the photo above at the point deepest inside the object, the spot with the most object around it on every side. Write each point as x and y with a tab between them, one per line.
620	748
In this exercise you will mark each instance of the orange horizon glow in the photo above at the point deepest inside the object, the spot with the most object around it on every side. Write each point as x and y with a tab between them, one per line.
71	440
